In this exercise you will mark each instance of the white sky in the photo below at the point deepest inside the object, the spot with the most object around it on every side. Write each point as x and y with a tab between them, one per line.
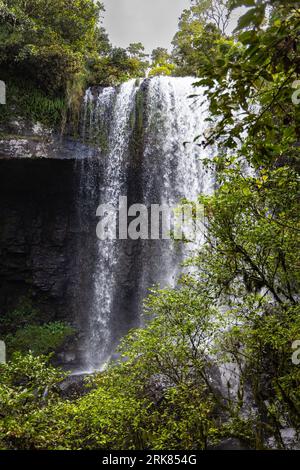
152	22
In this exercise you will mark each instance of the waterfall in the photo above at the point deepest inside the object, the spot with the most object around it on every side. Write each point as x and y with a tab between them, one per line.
144	131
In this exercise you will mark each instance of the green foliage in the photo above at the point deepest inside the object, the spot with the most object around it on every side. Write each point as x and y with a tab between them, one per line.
27	329
214	12
249	262
136	50
23	314
119	65
51	50
160	56
166	69
39	339
48	42
141	402
161	63
253	232
46	48
25	101
256	70
199	27
27	385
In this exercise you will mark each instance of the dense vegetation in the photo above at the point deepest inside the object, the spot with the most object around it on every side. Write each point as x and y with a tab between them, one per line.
51	50
240	307
26	329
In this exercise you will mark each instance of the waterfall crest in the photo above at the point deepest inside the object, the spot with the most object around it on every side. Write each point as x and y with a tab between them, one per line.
145	133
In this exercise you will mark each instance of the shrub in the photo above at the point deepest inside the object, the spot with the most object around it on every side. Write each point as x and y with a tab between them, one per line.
39	339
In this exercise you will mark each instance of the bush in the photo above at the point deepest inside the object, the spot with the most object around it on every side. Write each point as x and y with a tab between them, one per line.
27	385
21	316
39	339
165	69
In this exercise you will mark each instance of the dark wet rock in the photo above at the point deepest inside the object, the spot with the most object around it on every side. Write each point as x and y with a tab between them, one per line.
290	439
43	227
73	386
230	444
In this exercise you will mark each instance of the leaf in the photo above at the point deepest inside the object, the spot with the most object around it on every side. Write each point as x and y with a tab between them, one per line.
254	16
240	3
248	37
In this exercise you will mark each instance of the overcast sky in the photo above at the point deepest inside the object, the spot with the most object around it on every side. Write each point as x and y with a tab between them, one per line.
152	22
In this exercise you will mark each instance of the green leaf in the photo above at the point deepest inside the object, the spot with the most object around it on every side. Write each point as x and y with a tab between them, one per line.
254	16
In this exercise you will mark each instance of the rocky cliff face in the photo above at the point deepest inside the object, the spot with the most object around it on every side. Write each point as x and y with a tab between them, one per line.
42	227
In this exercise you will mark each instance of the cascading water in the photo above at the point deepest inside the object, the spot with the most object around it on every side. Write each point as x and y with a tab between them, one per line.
145	132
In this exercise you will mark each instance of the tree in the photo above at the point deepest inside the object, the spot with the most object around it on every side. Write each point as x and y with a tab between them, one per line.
195	39
26	329
156	398
212	11
50	51
253	221
162	70
48	42
160	56
118	66
136	50
27	385
161	63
